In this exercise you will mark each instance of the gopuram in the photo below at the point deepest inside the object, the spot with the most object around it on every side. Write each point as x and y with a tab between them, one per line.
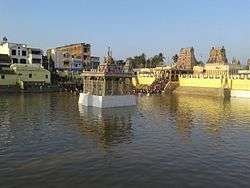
217	64
217	56
109	86
186	59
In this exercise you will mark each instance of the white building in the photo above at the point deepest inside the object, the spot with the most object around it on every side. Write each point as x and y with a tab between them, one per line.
21	53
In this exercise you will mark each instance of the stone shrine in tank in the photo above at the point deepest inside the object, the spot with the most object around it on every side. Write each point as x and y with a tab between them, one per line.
109	86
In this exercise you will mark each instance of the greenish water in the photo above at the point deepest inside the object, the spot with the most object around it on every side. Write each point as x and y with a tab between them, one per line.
47	140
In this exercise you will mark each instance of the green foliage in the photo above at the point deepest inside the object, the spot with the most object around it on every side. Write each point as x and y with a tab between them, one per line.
200	63
138	61
157	60
142	62
175	58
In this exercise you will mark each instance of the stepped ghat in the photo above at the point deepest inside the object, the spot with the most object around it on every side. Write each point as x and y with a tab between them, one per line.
109	86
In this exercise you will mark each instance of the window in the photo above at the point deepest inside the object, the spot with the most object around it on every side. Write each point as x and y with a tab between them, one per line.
66	55
23	61
13	52
85	50
66	63
30	75
2	76
15	60
24	53
46	76
85	57
36	61
19	52
36	52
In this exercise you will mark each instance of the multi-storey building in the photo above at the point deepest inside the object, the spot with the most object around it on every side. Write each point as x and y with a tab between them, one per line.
15	53
74	57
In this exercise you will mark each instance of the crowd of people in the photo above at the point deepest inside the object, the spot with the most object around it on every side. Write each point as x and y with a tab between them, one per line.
157	87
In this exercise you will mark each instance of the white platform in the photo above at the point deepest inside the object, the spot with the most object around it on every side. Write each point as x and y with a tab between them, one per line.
240	93
107	101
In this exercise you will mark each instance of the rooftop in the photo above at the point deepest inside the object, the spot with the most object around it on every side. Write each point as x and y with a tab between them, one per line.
70	45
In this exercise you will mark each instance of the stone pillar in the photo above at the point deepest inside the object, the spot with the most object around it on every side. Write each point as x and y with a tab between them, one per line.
112	84
104	86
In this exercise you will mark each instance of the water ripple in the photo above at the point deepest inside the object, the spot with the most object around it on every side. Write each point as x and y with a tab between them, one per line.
47	140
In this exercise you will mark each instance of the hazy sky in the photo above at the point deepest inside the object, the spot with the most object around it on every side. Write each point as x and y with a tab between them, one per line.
130	27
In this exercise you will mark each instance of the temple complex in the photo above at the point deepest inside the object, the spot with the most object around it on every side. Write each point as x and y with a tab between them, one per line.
109	86
186	59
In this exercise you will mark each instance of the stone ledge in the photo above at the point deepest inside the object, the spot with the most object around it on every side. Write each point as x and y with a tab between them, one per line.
202	91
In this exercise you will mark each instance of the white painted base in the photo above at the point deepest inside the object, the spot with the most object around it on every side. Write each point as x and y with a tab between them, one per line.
240	93
107	101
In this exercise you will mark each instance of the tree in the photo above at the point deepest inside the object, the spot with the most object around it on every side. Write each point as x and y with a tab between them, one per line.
175	58
138	61
200	63
157	60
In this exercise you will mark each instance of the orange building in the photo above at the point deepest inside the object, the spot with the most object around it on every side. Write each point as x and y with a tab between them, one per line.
71	57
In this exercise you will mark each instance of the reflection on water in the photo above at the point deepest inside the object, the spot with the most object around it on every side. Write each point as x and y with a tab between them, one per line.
110	126
176	141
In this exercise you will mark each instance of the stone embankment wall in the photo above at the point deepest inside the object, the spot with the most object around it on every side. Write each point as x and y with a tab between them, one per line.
205	82
234	85
240	83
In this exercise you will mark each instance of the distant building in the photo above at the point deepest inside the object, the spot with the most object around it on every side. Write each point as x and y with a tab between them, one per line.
5	60
186	59
217	56
95	62
248	64
15	53
24	75
219	69
218	64
74	57
120	62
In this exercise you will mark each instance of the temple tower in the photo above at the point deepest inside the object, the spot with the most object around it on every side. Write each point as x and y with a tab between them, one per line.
186	59
217	56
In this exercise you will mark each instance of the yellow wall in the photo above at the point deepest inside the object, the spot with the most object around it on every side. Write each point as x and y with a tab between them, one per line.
234	82
146	76
201	82
240	84
10	79
37	75
142	80
146	80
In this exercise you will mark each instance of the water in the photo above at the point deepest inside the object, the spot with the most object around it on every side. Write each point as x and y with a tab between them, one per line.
46	140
